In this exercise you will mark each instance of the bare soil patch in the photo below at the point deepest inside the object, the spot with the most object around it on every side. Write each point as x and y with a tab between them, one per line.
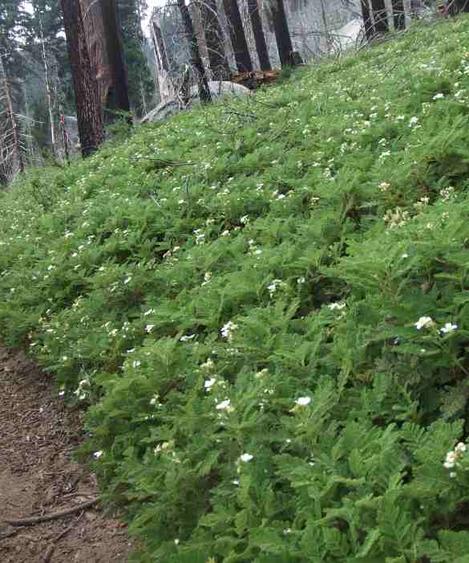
38	476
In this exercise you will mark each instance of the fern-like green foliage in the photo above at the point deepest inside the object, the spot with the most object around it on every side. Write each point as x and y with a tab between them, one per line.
267	312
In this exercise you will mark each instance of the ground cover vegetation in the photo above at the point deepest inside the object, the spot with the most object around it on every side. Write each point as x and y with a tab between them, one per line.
264	304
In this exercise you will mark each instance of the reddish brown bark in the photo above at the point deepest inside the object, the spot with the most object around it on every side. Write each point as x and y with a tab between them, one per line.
118	92
104	41
90	124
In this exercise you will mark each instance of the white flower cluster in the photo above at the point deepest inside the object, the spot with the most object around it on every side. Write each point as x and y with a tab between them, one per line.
453	457
253	249
274	285
199	236
82	390
303	401
337	306
228	329
395	217
421	203
209	383
447	193
428	322
424	322
224	406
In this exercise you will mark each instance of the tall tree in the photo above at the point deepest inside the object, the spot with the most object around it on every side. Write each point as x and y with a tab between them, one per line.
214	40
380	16
238	38
11	155
118	93
367	20
259	37
398	11
196	59
282	33
47	81
90	124
139	76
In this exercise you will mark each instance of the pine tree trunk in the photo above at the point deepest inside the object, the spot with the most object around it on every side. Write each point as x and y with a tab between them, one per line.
398	11
118	93
196	60
214	40
380	16
259	37
90	124
282	33
367	21
11	117
238	38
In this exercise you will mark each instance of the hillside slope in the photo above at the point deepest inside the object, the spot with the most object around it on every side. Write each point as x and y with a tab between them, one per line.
265	305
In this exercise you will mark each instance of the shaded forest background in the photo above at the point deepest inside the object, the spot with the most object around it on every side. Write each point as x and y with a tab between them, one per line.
184	50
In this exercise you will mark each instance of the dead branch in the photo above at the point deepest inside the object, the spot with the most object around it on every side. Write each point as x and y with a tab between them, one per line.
33	520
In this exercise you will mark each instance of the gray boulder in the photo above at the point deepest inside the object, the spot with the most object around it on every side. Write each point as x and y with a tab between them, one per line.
217	89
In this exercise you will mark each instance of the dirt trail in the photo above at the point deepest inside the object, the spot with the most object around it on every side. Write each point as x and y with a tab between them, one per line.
38	476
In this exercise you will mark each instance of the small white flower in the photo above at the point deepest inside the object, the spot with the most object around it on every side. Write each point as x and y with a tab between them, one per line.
149	328
225	233
97	454
176	541
448	327
438	96
303	401
209	383
224	405
155	400
337	306
235	482
413	121
274	285
187	337
246	458
208	365
228	329
424	322
287	531
244	219
384	186
460	448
